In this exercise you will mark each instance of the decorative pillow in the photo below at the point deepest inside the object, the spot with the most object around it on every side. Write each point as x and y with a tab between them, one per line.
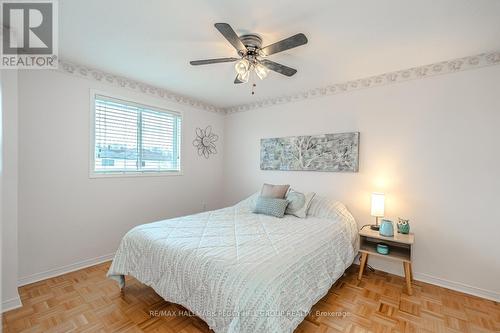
270	206
274	191
298	203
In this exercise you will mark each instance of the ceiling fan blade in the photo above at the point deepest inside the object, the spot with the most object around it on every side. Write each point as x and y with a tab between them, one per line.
212	61
285	44
228	32
237	81
282	69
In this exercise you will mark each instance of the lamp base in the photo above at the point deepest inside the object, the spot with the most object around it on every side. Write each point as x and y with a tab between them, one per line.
375	227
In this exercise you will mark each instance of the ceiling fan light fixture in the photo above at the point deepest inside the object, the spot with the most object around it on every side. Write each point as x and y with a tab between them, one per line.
261	71
252	56
244	77
242	66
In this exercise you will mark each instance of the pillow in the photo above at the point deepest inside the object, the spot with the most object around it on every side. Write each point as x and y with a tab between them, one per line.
298	203
270	206
248	203
274	191
324	207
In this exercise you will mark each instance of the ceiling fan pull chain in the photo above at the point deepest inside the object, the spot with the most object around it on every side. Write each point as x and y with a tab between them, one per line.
253	85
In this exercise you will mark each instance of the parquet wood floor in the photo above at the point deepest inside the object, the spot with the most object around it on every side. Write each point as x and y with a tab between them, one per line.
86	301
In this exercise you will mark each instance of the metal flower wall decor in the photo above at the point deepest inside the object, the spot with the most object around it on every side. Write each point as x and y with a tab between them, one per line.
205	141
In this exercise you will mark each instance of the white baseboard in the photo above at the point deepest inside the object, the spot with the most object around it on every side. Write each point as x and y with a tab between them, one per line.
11	304
63	270
458	286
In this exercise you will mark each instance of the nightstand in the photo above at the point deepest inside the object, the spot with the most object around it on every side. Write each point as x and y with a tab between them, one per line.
399	250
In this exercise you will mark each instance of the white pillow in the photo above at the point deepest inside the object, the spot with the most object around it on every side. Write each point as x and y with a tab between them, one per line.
248	202
298	203
324	207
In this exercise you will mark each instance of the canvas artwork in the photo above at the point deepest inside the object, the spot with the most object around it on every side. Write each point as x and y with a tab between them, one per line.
327	152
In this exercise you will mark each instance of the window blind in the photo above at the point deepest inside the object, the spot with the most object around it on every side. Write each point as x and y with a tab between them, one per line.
131	138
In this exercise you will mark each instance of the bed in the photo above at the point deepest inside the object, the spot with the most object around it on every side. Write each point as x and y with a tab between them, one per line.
240	271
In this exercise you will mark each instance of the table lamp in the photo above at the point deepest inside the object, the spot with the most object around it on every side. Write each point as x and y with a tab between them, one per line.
377	208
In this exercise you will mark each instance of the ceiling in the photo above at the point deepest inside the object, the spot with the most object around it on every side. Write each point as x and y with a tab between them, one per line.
154	40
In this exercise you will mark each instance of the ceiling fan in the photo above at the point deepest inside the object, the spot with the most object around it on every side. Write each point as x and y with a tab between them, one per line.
251	54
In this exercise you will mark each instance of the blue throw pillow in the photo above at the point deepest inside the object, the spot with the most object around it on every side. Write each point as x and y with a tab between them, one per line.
270	206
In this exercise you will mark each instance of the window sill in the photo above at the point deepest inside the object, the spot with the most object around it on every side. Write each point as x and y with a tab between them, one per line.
135	174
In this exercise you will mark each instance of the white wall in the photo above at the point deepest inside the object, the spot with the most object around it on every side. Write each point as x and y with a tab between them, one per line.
431	145
64	216
9	82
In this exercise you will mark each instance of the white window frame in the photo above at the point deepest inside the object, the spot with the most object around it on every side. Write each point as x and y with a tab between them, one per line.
144	173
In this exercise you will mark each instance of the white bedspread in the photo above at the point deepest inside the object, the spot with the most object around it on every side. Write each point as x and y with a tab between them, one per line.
239	271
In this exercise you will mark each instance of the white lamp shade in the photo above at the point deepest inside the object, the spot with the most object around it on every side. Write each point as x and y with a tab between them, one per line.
378	204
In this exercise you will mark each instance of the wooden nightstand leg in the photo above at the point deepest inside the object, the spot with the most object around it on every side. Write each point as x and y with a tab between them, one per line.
411	272
362	264
407	267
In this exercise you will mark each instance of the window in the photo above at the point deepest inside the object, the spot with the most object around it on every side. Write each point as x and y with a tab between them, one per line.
131	138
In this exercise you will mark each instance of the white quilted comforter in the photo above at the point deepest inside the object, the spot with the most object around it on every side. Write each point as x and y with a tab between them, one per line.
239	271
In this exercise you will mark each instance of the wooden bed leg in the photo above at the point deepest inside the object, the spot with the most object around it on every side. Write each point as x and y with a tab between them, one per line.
362	264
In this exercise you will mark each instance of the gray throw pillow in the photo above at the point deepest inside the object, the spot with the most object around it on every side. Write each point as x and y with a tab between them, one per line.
298	203
274	191
270	206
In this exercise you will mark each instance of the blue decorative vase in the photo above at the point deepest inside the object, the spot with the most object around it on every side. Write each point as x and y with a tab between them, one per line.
386	228
403	226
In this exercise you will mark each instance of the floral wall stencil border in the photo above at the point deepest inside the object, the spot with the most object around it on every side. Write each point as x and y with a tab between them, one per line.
419	72
438	68
205	141
123	82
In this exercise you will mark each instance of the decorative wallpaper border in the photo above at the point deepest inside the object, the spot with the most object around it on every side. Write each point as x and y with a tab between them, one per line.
438	68
421	72
123	82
